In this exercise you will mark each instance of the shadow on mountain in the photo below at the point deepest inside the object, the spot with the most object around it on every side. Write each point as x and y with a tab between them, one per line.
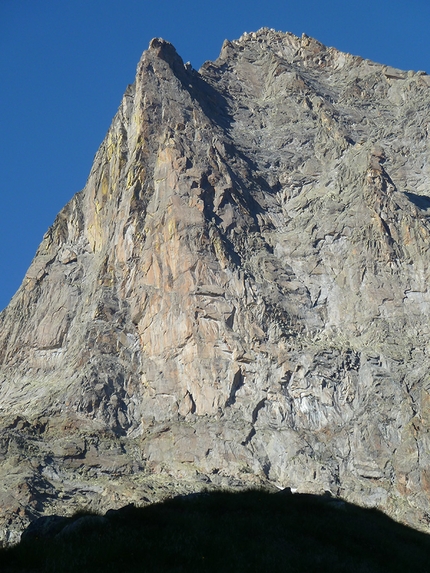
420	201
251	531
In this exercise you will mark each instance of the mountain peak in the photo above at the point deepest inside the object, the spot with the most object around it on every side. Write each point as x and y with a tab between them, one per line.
238	296
164	50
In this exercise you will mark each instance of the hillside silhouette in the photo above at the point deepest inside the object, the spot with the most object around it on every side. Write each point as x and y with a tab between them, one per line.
249	531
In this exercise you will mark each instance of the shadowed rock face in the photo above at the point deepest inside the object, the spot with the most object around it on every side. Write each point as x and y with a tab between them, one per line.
238	296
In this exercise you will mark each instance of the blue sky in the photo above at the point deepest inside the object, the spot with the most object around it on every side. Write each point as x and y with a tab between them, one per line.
64	65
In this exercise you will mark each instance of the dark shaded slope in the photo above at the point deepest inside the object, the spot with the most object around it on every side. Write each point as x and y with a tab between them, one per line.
248	531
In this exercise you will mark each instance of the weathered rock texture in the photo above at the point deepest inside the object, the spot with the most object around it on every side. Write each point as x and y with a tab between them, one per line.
238	296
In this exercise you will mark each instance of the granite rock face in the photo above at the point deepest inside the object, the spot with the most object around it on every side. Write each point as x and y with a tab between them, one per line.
239	295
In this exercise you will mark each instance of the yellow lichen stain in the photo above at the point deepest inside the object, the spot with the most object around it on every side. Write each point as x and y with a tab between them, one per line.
95	234
130	178
110	147
171	227
219	251
114	154
135	176
102	194
424	232
137	119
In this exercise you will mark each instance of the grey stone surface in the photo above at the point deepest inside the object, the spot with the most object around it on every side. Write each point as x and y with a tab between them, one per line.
238	296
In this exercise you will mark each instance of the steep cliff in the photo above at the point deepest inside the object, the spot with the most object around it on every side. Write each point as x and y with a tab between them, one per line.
238	296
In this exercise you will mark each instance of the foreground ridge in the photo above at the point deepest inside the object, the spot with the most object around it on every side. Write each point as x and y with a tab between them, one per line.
237	297
247	531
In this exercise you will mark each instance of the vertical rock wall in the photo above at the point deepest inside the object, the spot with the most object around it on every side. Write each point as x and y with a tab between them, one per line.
239	294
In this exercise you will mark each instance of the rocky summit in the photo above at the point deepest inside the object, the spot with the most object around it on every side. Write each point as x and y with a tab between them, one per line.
238	297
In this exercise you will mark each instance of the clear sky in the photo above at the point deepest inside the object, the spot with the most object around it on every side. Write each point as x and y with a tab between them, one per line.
64	65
